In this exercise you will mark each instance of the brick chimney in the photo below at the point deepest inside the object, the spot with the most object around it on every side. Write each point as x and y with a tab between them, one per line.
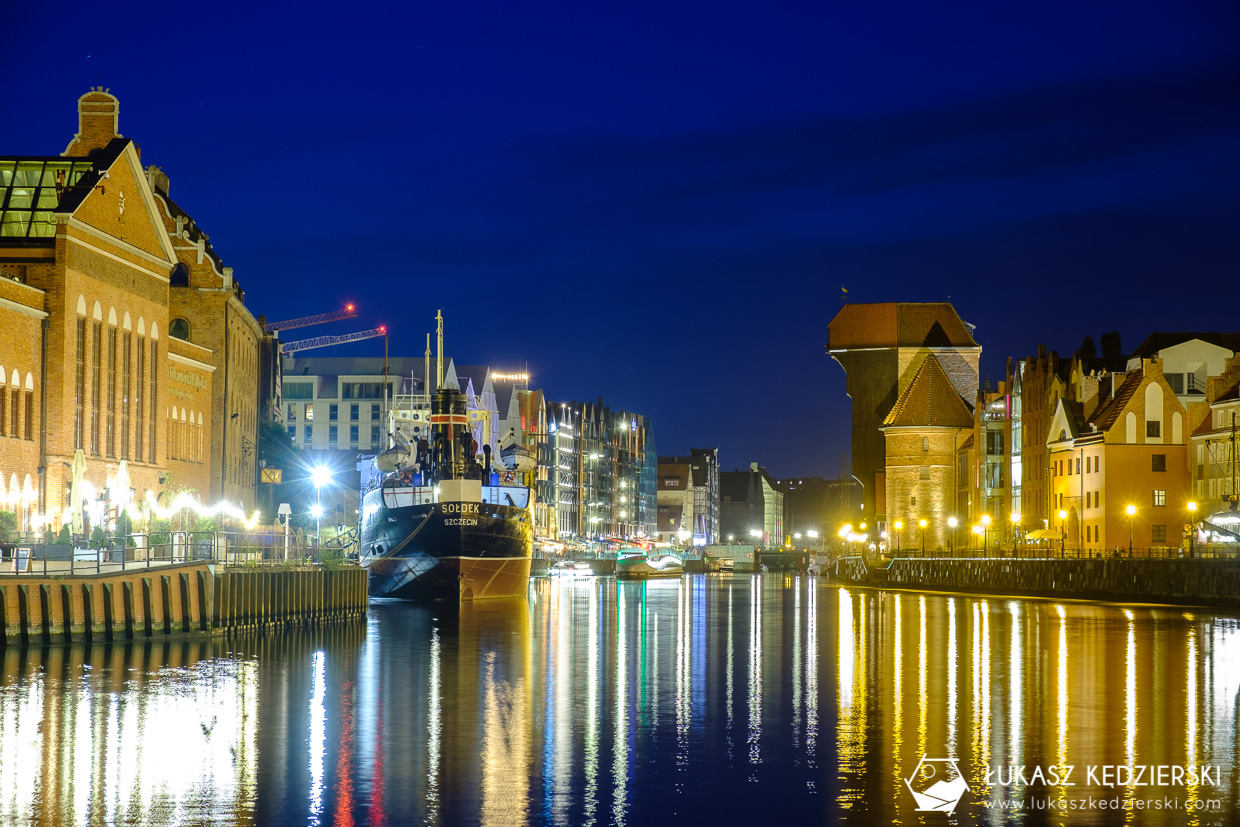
98	114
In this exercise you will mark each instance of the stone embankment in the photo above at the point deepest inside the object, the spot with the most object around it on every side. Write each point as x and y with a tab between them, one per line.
174	600
1186	582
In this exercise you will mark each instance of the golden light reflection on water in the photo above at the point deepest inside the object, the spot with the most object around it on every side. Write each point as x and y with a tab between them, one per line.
618	703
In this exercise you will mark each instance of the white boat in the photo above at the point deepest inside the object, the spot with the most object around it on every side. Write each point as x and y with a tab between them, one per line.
568	568
635	564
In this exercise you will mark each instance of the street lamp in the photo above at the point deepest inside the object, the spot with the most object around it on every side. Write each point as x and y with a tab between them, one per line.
316	511
922	523
899	526
1015	518
320	476
985	534
952	522
1063	515
1131	511
1192	525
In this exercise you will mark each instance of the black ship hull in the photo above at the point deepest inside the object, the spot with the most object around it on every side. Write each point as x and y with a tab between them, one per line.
447	551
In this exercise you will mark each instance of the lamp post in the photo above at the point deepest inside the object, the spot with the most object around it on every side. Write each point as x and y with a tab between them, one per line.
1131	511
952	522
1063	515
1192	526
899	527
922	523
985	534
286	515
1015	518
321	476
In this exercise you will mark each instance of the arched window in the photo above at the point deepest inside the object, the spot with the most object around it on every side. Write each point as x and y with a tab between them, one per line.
179	329
179	277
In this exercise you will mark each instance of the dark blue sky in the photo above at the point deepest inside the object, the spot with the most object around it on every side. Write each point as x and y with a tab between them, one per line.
658	203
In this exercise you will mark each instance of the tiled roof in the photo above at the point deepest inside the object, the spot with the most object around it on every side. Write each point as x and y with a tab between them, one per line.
1106	414
930	400
898	324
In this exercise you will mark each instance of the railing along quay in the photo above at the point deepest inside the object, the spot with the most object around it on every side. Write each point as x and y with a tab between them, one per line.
196	583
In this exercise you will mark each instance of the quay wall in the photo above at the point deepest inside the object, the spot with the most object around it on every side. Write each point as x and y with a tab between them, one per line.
175	600
1177	581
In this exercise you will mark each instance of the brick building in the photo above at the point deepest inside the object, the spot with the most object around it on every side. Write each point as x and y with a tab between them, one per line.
881	347
87	256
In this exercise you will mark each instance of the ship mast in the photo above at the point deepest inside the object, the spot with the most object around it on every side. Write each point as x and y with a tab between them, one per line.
439	349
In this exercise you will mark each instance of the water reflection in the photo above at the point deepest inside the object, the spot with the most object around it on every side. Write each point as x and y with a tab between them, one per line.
599	702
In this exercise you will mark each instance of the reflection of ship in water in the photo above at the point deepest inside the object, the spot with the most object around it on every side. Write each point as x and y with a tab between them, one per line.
458	714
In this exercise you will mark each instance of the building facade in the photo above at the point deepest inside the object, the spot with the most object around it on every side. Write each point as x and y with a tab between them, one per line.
89	259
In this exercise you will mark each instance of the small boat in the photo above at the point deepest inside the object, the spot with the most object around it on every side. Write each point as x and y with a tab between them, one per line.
718	565
568	568
635	564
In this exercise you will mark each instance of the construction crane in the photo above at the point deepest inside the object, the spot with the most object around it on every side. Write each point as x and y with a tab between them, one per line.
324	341
306	321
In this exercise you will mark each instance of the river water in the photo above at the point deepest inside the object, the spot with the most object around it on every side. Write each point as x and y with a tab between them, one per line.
763	699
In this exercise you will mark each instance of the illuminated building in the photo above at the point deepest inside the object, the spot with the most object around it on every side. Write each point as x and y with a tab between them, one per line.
124	335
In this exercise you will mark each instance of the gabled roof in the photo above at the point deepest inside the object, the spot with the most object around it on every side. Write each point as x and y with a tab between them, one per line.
1106	414
930	400
898	324
1157	341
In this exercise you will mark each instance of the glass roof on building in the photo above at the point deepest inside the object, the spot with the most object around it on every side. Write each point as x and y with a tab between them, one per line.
30	191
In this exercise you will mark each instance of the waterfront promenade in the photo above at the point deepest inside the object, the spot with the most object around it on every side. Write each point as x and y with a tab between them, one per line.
51	595
1172	580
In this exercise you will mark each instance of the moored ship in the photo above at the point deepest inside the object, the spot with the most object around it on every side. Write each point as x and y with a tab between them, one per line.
438	524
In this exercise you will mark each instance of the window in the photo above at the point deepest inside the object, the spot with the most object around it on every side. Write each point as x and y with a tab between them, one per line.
79	395
1176	381
353	435
1153	429
139	390
292	413
912	501
292	432
307	433
331	434
111	406
925	443
298	390
1158	533
332	411
309	413
125	343
1160	496
374	413
95	395
1078	465
925	472
179	277
154	394
1159	462
179	329
353	412
374	436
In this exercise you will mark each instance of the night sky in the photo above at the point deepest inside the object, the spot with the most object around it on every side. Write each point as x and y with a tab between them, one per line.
659	203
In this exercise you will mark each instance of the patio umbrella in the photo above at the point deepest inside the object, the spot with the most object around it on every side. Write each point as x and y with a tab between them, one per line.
75	490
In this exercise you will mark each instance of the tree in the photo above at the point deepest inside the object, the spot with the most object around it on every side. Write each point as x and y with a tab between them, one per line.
8	526
1111	346
1088	349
